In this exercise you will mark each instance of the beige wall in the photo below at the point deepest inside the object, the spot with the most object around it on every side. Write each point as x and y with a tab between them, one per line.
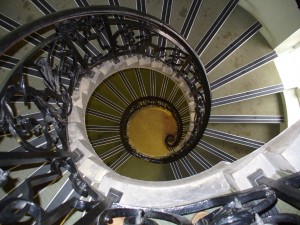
280	18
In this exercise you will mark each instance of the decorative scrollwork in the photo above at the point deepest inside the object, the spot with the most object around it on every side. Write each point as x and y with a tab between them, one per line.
170	141
24	127
246	207
14	208
61	60
138	216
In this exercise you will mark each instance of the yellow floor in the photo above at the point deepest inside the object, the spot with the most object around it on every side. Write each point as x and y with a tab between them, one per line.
148	128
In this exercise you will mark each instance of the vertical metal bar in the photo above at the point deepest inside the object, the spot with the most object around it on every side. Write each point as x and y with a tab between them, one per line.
176	170
140	82
128	85
188	166
200	159
116	92
120	161
164	86
152	83
108	103
111	152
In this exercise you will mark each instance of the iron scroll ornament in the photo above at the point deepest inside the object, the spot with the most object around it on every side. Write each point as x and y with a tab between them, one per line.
170	141
61	60
250	206
236	207
75	29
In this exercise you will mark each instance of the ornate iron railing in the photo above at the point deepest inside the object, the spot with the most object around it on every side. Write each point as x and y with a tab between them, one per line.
252	206
171	141
69	54
61	60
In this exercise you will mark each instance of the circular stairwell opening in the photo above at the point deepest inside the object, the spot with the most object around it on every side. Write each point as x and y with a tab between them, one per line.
141	119
150	128
147	130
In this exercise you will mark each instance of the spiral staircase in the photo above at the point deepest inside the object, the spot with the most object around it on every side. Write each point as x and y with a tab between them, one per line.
144	110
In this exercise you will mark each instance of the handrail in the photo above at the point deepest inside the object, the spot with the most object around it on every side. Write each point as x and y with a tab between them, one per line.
71	47
61	78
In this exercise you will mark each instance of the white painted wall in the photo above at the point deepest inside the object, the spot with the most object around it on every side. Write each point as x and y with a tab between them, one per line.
280	18
292	107
288	67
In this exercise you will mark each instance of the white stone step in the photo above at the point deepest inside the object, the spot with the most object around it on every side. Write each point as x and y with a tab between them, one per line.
280	154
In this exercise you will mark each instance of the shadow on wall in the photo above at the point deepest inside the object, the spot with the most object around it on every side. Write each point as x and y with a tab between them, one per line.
279	28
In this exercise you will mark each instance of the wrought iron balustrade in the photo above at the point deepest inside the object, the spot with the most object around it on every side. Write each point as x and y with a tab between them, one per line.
68	45
61	60
245	207
68	54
